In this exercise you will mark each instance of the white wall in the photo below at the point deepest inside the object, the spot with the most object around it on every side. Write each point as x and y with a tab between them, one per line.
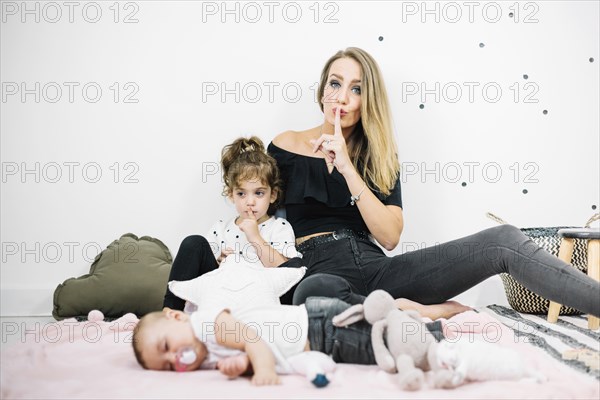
168	141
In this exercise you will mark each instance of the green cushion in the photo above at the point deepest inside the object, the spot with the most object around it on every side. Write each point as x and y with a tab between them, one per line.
129	276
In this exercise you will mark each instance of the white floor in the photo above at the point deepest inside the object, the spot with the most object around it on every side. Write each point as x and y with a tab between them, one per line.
18	329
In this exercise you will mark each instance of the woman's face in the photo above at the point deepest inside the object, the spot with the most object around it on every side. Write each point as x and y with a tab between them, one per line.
343	89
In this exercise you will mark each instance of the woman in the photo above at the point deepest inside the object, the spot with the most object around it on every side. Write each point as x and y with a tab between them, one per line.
343	190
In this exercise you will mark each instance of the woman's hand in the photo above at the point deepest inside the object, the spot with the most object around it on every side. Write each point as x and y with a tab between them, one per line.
334	148
384	222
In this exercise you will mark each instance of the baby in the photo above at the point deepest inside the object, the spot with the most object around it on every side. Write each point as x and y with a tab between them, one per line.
269	335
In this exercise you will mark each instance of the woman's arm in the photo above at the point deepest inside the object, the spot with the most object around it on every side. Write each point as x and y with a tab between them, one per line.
384	222
233	334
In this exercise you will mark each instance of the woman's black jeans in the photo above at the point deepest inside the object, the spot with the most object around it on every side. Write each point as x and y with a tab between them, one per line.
349	269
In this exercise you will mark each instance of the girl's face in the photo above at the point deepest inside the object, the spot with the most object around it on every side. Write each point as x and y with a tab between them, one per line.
253	196
343	90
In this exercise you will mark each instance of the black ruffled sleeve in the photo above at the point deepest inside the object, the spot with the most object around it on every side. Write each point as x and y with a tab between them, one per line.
395	197
307	179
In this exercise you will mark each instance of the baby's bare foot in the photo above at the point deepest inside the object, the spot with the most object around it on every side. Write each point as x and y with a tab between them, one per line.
233	366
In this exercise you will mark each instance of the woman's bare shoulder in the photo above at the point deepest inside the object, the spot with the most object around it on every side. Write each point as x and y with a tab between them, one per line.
286	139
292	140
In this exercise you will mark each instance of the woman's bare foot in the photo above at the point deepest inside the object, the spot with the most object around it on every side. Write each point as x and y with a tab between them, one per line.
446	310
234	366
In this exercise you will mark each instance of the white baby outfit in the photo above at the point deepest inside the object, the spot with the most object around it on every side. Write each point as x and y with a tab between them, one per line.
243	285
283	328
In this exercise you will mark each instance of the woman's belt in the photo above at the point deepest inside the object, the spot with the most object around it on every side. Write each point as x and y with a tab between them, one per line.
331	237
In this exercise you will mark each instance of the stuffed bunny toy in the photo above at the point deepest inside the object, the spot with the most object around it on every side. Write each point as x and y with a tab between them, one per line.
411	347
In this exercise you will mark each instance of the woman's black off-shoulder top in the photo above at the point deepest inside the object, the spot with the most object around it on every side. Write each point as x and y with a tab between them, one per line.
317	201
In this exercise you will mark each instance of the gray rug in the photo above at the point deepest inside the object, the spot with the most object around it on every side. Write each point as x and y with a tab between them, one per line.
568	341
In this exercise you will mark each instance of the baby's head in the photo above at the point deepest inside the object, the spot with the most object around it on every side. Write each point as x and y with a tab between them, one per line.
251	177
165	340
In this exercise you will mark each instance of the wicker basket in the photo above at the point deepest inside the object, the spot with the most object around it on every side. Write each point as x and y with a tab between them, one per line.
524	300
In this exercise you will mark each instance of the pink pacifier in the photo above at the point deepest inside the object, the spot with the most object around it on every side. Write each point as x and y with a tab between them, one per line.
184	358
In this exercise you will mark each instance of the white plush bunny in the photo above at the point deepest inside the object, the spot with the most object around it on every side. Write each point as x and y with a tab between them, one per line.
476	360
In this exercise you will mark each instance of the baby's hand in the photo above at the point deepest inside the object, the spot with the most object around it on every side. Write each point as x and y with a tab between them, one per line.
458	377
265	378
233	366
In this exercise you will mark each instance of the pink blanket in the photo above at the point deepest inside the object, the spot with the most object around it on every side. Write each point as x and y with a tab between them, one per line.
88	360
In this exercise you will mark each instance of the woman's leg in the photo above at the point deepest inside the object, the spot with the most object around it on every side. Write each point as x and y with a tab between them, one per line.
326	285
435	274
287	297
333	286
194	258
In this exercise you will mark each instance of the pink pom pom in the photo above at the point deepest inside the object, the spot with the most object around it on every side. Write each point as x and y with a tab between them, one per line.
95	316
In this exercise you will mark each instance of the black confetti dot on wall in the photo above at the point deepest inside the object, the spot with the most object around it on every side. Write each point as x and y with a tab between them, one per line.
237	236
545	112
421	106
464	184
381	38
481	45
525	191
594	207
591	59
525	76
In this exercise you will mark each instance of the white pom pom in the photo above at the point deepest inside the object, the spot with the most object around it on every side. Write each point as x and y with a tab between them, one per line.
95	316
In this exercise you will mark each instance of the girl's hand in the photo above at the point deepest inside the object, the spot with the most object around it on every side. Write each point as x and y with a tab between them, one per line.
334	148
265	378
224	253
249	225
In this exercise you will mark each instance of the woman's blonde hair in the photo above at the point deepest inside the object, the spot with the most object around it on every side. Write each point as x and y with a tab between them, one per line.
246	159
373	151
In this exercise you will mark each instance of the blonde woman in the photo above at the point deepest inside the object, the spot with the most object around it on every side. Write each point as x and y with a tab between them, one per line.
342	190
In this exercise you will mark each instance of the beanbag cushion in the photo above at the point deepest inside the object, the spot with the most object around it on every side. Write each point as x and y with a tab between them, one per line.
129	276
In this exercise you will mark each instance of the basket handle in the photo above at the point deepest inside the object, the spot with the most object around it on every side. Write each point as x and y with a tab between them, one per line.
499	220
495	218
594	217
